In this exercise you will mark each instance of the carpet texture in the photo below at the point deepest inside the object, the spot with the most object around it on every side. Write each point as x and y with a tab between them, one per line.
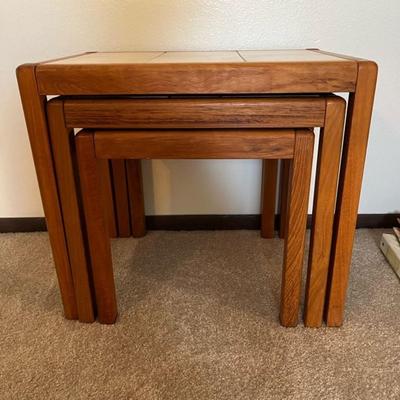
198	320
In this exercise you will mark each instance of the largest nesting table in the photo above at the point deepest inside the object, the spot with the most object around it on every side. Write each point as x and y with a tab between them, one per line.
249	73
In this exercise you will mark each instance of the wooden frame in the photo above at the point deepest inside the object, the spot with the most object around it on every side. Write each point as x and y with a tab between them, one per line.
144	143
92	145
279	108
342	73
120	225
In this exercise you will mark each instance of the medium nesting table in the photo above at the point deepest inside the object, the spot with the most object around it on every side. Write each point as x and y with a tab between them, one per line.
295	146
232	73
198	128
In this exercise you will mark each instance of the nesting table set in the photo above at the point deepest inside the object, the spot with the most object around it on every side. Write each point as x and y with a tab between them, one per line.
199	105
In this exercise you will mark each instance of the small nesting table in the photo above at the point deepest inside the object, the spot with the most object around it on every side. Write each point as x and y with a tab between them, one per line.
98	76
295	146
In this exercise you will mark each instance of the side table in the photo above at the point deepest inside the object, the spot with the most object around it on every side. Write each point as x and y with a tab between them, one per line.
205	73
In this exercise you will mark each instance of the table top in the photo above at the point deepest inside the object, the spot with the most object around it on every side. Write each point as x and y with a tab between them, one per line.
198	72
168	57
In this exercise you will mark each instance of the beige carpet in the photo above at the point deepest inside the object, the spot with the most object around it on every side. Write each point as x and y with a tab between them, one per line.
198	320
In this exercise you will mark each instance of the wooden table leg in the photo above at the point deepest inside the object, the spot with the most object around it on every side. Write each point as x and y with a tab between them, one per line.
268	197
63	148
108	196
136	199
330	145
35	117
296	223
120	184
353	158
283	196
269	179
97	232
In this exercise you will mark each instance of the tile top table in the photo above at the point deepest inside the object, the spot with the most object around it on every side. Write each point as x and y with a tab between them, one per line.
200	73
233	72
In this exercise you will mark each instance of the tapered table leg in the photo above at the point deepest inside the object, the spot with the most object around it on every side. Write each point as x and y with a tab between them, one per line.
296	222
35	116
352	167
268	197
330	145
96	225
104	168
136	198
120	185
62	140
283	196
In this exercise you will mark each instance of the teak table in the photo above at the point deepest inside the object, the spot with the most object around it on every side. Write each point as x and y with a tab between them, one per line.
248	73
295	146
201	127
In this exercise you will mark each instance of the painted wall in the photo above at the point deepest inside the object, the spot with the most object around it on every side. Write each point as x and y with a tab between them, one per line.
34	30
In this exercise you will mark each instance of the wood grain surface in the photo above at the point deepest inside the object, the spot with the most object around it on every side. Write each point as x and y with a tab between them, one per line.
62	140
273	112
34	107
299	188
97	232
330	146
352	167
170	144
202	78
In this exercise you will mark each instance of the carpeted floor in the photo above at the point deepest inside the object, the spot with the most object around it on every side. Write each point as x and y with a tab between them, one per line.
198	320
